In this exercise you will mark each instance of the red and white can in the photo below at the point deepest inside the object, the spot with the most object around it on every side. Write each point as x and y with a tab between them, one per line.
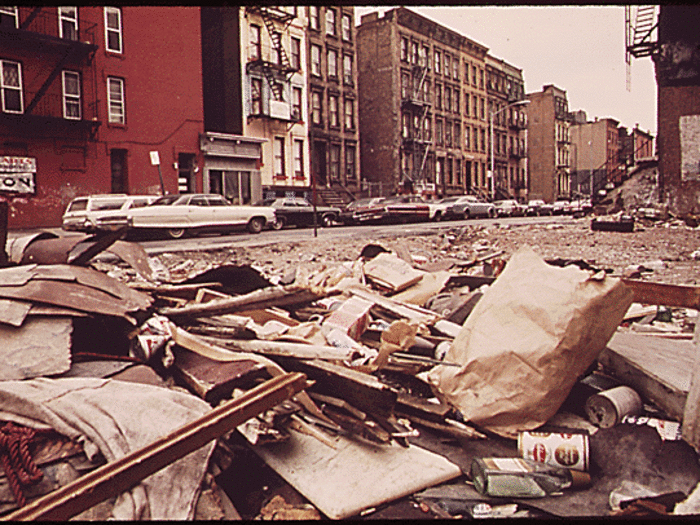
555	448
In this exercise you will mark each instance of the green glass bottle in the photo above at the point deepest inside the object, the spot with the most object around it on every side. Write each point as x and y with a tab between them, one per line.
523	478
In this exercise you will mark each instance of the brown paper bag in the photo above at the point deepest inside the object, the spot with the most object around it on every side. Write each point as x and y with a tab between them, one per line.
533	333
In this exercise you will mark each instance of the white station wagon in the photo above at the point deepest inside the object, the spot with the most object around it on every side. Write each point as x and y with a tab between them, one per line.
96	212
179	215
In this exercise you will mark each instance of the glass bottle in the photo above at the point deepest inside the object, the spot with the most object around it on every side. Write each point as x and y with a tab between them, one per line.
523	478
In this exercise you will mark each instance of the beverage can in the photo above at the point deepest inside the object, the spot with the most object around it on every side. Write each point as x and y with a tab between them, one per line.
607	408
569	450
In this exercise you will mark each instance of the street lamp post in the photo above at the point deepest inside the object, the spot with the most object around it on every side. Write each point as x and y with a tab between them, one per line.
492	114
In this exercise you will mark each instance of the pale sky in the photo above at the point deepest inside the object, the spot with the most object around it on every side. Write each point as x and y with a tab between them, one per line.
580	49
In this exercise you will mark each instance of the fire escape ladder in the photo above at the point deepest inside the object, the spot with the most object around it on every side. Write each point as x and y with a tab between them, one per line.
49	80
284	63
639	34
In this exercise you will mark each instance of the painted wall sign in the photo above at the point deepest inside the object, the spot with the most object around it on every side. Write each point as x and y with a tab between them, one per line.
17	174
690	147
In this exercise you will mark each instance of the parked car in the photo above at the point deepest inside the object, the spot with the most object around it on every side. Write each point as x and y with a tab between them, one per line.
438	208
579	207
297	211
405	208
93	213
509	208
468	206
348	214
538	207
179	215
560	206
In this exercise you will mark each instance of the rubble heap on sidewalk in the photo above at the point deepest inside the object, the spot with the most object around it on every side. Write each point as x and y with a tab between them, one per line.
388	385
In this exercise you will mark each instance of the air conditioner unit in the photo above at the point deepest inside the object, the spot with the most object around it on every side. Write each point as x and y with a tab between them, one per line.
280	110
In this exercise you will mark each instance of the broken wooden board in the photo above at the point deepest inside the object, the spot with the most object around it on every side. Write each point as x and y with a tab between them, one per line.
660	370
40	347
390	272
343	481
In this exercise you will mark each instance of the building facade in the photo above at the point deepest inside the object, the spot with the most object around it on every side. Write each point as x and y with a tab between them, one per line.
597	159
333	120
507	129
91	100
549	144
422	106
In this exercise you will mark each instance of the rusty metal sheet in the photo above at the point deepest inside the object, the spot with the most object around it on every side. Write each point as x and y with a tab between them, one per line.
15	247
58	311
17	276
134	255
49	251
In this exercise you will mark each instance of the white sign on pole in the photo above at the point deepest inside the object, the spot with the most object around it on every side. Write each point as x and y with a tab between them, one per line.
155	158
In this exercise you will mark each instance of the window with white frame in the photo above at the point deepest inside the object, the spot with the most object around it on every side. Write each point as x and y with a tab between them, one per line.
8	17
71	95
68	22
314	19
315	107
115	100
296	103
347	28
330	21
296	54
438	61
11	82
332	63
255	49
349	114
333	111
350	162
347	69
113	29
315	60
278	157
298	159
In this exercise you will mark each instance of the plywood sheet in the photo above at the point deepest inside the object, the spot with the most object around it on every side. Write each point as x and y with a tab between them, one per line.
343	481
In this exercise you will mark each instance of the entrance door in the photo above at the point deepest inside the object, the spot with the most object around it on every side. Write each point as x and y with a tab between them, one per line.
117	158
319	163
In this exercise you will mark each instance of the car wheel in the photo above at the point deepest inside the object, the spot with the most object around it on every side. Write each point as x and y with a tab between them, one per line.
467	214
492	213
256	224
279	223
176	233
327	220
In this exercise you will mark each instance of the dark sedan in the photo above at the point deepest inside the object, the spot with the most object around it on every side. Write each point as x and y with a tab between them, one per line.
296	211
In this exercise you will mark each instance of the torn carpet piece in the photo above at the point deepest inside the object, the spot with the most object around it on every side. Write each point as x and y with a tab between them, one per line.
117	418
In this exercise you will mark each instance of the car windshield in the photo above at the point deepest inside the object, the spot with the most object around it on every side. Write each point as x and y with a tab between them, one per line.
165	200
448	200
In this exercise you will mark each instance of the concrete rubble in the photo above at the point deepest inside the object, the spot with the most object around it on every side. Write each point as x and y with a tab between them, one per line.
362	385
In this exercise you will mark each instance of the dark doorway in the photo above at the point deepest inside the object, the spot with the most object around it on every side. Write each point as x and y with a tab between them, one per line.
185	173
117	159
318	168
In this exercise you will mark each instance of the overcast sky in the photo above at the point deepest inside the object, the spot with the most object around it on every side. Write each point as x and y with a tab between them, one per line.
580	49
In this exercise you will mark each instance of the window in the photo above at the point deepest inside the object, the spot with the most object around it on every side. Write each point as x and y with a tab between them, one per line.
448	134
115	100
316	107
437	61
332	63
350	171
414	53
255	51
473	75
438	96
347	69
481	78
482	111
8	17
333	111
438	132
456	99
405	81
455	69
457	138
316	60
113	29
71	95
426	91
349	114
11	83
296	54
427	130
256	96
296	103
347	28
466	72
483	140
335	161
447	65
405	123
68	23
466	104
404	49
423	56
278	158
330	21
467	145
314	19
298	159
275	57
448	98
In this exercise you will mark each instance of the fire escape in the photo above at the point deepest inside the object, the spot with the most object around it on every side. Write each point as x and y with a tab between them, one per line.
276	21
38	32
641	23
415	101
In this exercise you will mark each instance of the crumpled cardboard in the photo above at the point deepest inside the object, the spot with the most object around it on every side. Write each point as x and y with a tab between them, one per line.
533	333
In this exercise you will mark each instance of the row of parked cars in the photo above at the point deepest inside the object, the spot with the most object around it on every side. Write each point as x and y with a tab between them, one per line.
179	215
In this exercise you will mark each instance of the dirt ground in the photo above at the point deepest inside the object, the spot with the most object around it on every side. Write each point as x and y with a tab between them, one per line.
662	251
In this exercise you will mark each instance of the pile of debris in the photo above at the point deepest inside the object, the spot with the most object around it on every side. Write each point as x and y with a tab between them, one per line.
464	387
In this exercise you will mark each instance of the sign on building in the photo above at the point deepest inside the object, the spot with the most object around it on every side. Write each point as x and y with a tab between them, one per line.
690	147
17	174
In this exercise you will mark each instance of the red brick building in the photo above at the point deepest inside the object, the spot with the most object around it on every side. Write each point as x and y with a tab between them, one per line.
88	93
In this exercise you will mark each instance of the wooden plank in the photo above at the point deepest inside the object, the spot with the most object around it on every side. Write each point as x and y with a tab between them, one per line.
343	481
660	370
691	410
664	294
122	474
